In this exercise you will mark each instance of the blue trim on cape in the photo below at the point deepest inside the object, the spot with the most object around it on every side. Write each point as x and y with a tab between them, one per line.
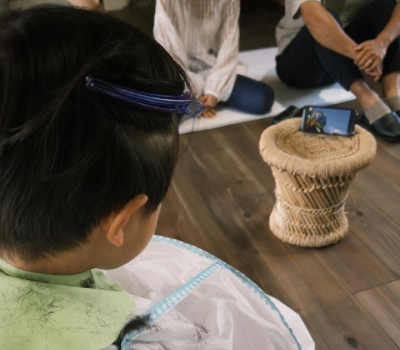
163	306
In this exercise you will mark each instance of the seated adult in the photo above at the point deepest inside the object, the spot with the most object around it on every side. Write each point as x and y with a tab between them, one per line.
317	47
203	37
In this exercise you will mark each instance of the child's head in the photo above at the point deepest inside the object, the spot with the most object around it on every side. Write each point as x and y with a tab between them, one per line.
78	168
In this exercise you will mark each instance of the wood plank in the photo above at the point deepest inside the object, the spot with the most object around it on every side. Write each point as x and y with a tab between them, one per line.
343	323
391	148
387	163
380	190
314	331
175	222
326	301
383	304
378	232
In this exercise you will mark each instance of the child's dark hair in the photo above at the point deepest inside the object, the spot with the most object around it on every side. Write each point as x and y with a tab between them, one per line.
138	323
69	156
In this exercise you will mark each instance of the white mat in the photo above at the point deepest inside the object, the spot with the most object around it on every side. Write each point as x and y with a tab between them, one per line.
261	66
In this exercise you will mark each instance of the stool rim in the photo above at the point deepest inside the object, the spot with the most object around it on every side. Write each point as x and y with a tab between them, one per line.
284	161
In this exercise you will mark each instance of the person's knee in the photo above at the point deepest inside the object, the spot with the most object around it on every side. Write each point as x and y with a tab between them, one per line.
382	5
262	103
285	74
292	78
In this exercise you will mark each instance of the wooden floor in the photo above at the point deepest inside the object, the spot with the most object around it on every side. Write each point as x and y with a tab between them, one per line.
221	198
348	294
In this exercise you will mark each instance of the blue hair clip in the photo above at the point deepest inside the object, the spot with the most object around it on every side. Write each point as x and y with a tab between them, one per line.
181	104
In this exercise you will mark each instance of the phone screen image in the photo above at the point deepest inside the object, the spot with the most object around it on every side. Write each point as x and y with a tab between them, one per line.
328	121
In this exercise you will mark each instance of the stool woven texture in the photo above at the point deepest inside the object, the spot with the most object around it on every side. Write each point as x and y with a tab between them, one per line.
312	173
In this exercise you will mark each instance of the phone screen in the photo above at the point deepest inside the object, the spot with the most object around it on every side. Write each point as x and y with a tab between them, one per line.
330	121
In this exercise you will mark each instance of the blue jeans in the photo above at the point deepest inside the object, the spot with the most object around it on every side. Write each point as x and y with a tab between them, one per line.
250	96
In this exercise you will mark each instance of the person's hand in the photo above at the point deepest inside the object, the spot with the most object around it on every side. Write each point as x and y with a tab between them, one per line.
209	101
375	72
370	54
90	4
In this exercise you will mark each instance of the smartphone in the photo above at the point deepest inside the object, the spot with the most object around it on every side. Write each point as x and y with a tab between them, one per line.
331	121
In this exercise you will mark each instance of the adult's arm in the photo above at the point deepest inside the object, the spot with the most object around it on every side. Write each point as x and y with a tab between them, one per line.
166	34
372	52
392	29
326	30
221	79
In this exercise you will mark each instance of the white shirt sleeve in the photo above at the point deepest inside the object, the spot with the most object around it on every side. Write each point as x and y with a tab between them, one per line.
166	34
293	7
222	77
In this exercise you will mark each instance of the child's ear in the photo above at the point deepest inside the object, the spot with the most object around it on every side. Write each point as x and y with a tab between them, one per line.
113	225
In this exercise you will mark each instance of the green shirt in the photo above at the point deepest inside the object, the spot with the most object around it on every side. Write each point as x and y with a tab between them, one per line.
54	312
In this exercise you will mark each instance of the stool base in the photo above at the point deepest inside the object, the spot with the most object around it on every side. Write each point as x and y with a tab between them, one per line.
310	238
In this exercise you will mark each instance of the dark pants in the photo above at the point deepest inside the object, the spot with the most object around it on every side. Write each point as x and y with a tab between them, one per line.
307	64
250	96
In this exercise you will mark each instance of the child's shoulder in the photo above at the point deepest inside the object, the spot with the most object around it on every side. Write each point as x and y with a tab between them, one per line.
38	314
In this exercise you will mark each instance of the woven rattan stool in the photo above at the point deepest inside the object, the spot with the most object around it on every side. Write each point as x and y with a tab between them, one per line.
312	174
